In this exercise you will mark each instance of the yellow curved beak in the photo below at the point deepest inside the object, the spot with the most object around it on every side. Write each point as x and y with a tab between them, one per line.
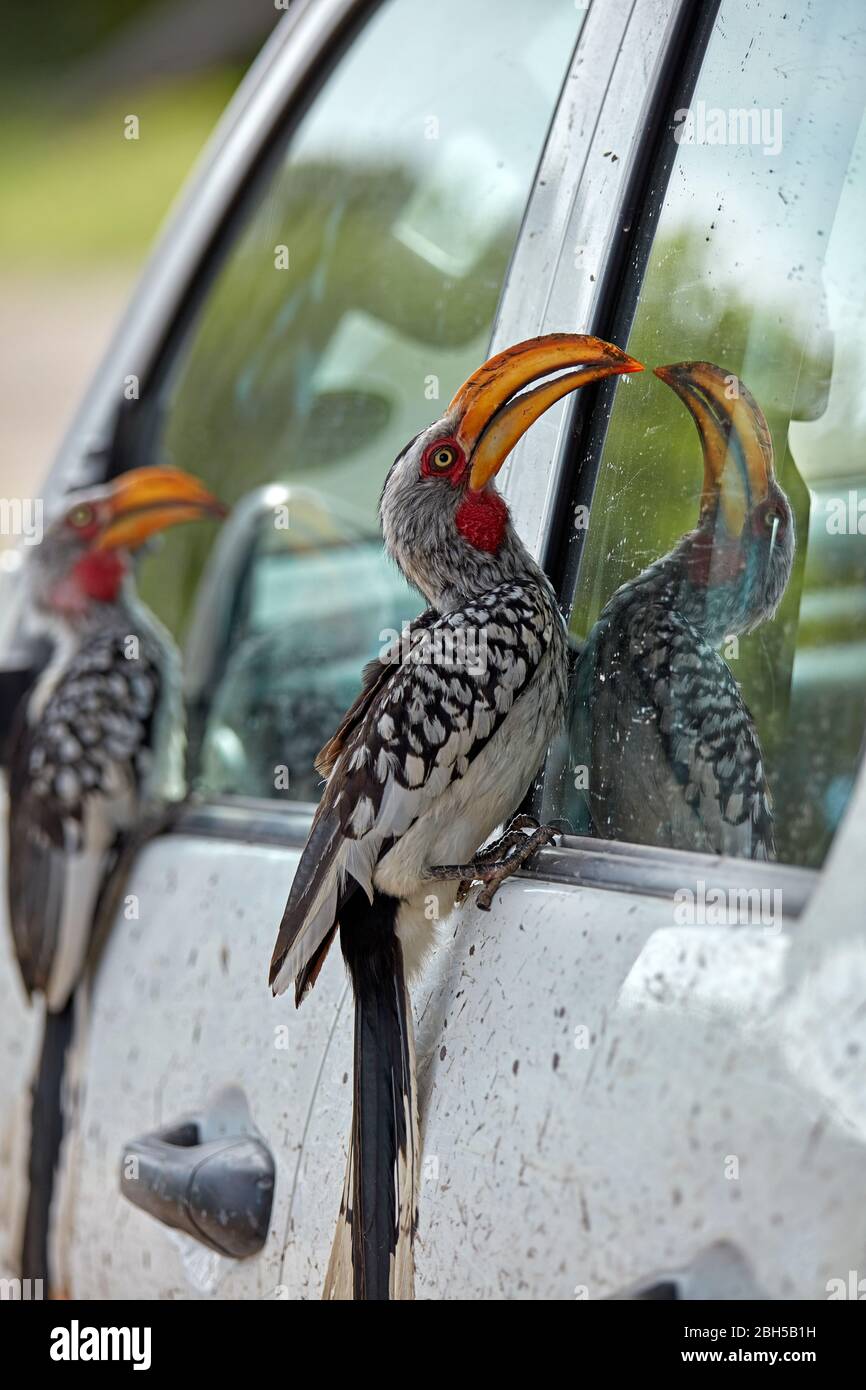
147	500
735	438
490	414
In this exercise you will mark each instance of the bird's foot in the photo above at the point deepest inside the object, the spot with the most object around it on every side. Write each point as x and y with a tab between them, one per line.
493	865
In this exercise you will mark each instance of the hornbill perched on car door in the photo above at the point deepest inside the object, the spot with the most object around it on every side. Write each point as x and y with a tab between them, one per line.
672	753
96	754
441	745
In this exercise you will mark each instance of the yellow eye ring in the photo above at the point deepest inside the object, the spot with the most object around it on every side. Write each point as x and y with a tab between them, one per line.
80	516
443	457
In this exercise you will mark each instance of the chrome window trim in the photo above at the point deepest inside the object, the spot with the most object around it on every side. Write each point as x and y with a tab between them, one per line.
656	872
251	820
643	870
575	218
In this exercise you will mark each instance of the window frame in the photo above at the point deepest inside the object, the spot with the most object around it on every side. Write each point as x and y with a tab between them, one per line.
613	98
617	864
635	62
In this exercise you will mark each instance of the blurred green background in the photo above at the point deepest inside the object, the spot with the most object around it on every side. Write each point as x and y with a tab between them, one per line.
81	204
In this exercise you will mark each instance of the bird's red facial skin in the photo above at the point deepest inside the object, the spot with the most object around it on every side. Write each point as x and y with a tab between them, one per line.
444	459
99	575
482	516
481	519
95	578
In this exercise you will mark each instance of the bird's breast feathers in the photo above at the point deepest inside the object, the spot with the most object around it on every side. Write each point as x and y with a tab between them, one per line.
444	748
91	737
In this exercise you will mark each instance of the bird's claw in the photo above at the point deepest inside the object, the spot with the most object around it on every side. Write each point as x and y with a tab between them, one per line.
464	888
492	866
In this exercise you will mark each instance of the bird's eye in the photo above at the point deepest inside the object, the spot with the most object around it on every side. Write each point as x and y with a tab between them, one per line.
443	457
773	518
80	517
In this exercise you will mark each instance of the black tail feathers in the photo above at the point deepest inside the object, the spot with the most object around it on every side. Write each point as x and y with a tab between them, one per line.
372	1255
46	1137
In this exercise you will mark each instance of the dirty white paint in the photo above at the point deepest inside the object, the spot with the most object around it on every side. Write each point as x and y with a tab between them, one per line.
180	1009
559	1163
591	1075
568	1171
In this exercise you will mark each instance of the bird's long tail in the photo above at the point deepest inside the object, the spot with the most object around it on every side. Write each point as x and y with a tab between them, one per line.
372	1255
46	1137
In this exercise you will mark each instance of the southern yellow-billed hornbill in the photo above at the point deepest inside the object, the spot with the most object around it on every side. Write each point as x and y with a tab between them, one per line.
439	748
96	754
671	749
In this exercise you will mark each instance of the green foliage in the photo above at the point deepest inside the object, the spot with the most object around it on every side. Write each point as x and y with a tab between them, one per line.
42	39
75	191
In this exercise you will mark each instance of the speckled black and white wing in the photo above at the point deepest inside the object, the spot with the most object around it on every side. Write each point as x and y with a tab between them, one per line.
80	756
675	757
422	729
374	676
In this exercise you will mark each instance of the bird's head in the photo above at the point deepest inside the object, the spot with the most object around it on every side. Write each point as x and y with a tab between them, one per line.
86	552
743	548
443	520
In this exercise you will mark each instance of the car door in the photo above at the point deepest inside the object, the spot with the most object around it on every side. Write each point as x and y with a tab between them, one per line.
612	1098
346	288
626	1093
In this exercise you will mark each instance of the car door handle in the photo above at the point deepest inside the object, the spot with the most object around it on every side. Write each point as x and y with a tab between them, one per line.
720	1272
210	1174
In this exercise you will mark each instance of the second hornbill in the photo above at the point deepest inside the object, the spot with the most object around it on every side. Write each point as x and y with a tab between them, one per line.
95	757
439	748
658	720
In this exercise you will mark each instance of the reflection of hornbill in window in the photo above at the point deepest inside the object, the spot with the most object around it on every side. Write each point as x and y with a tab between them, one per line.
95	754
670	751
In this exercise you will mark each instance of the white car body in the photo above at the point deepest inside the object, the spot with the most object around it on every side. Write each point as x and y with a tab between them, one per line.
611	1101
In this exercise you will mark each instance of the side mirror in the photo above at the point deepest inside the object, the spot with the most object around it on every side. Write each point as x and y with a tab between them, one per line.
295	596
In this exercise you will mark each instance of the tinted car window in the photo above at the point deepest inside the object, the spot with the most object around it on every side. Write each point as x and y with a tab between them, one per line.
358	293
757	265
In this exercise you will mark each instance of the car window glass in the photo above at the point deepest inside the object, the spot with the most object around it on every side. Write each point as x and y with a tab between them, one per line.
358	293
757	265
